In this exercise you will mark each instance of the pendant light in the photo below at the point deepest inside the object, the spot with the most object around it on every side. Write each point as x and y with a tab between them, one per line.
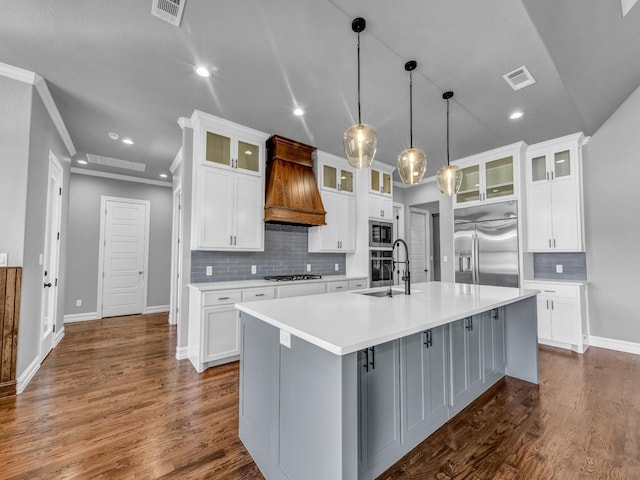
412	163
360	140
449	177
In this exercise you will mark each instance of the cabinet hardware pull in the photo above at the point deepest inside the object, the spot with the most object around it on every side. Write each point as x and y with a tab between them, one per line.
554	243
552	175
547	304
373	358
551	304
547	176
230	239
494	313
339	287
469	321
224	298
259	295
366	359
428	339
549	243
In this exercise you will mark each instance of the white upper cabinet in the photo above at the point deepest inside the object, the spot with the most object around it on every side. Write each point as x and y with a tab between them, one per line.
554	195
380	191
228	180
380	182
337	189
490	176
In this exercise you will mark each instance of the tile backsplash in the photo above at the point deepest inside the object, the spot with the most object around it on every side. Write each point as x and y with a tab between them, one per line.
285	253
574	266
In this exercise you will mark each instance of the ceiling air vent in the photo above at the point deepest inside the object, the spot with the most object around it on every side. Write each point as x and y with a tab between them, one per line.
168	10
116	162
519	78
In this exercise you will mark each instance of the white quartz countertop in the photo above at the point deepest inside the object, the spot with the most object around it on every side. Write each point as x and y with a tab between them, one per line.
211	286
346	322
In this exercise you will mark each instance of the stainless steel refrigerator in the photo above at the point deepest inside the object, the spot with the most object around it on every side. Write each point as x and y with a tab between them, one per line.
486	244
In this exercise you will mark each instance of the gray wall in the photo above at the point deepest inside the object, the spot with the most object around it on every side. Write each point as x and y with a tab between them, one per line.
429	192
15	113
285	253
574	266
27	136
612	223
84	233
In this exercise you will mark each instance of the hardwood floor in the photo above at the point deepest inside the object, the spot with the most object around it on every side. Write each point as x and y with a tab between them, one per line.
112	402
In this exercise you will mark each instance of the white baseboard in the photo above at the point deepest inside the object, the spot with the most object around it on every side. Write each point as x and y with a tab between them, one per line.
182	353
27	375
81	317
613	344
157	309
57	337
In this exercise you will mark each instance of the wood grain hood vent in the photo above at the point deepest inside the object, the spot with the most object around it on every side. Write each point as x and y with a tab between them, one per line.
291	191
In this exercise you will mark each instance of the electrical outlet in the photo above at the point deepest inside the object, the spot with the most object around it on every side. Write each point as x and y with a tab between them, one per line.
4	259
558	268
308	267
337	267
445	258
78	302
253	270
209	270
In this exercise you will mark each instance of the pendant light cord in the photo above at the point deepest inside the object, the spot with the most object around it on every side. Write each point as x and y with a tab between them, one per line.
411	108
447	131
359	114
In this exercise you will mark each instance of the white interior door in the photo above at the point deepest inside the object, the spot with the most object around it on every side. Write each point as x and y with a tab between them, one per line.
51	257
418	246
176	264
125	243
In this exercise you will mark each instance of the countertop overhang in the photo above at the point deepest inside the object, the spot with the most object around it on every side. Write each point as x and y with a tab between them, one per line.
343	323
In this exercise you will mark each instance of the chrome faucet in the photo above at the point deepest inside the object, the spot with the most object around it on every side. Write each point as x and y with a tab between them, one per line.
390	291
406	277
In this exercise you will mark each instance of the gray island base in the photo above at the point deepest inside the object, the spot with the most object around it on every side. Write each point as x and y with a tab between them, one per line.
310	413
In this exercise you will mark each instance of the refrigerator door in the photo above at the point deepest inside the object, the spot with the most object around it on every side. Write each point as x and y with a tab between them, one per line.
464	248
498	252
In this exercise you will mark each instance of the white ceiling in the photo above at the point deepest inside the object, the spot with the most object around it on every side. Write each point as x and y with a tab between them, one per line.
113	67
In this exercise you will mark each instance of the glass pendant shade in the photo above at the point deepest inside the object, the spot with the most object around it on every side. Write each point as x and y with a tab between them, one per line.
449	179
360	144
412	163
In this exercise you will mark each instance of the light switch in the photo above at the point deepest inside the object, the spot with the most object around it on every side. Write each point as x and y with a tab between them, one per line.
558	268
308	267
445	258
4	259
253	270
79	302
209	270
337	267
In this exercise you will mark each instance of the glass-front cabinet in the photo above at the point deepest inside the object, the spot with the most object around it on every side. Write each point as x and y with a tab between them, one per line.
333	175
380	181
545	165
490	176
232	150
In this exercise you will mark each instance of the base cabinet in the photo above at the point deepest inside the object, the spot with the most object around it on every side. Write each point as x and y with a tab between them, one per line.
466	361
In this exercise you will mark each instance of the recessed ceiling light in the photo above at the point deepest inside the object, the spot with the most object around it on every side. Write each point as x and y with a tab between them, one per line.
202	71
298	112
164	175
83	162
515	115
128	141
248	152
113	136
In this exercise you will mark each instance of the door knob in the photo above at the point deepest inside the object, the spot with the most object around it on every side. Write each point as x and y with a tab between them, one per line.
47	284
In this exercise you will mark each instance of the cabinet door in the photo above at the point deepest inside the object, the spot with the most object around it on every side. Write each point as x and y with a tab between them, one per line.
498	178
474	349
249	208
437	367
381	389
566	215
220	332
324	238
458	363
218	149
564	320
537	167
499	346
539	232
347	224
214	209
544	317
386	183
415	373
248	155
470	187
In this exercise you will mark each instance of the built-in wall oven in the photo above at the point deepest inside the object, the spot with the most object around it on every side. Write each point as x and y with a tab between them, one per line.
380	267
380	234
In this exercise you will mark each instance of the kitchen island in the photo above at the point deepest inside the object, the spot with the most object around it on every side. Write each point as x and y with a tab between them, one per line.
342	385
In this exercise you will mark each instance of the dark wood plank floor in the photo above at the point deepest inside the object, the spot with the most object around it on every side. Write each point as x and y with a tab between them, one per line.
112	402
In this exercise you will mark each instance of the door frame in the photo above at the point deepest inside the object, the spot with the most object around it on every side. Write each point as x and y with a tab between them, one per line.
175	307
427	240
51	245
103	218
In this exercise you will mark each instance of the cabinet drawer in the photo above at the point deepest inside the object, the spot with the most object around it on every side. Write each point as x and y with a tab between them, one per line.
301	289
258	294
221	297
554	289
358	284
341	286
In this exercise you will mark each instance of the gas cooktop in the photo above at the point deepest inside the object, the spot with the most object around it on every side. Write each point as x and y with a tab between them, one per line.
289	278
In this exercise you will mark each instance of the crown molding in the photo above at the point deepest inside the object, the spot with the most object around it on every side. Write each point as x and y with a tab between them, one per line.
40	84
176	162
117	176
185	122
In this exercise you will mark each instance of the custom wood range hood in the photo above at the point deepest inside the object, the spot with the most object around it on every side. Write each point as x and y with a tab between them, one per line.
291	191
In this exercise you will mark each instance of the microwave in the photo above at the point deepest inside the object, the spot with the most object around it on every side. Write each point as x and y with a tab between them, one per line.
380	234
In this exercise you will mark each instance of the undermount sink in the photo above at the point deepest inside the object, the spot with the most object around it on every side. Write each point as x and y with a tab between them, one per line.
382	293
